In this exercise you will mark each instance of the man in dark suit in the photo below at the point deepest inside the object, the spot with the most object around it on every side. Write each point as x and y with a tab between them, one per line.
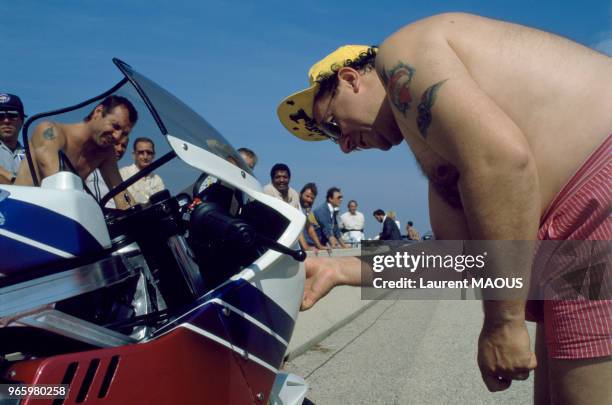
326	215
390	230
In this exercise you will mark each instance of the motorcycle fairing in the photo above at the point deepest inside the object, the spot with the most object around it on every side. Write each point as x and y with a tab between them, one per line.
67	223
229	348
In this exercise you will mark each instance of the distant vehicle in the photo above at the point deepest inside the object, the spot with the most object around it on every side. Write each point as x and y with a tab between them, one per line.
428	236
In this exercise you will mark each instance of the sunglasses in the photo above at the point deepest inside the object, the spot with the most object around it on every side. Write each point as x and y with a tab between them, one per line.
329	128
10	115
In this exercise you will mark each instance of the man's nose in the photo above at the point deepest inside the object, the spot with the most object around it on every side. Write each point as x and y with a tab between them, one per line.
345	143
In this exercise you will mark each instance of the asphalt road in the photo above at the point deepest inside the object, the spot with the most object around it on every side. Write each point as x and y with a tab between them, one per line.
404	352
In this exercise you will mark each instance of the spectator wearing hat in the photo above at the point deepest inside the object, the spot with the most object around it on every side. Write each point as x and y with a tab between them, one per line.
11	151
280	176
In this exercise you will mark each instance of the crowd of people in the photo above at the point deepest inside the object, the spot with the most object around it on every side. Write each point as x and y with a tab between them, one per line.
487	110
93	147
325	227
96	145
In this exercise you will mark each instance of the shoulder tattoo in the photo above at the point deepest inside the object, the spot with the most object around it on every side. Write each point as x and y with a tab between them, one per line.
397	82
49	134
424	108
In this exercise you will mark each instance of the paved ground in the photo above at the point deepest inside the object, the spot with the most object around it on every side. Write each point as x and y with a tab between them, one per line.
404	352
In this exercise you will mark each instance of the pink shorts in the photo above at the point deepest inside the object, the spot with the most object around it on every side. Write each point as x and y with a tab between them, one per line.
579	328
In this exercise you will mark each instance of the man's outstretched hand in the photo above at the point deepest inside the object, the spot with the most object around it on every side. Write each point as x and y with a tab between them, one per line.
321	276
504	354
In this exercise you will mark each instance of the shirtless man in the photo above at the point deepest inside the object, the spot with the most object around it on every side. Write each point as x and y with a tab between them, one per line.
88	144
512	127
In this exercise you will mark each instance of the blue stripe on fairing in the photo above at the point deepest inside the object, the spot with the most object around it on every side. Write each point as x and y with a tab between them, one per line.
17	255
240	332
48	227
251	300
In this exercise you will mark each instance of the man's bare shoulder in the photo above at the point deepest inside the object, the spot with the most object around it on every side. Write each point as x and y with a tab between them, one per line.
48	131
435	24
419	36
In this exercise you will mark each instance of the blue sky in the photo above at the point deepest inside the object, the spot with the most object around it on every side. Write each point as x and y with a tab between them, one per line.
233	61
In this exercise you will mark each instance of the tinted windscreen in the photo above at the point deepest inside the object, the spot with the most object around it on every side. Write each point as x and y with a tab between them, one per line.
182	122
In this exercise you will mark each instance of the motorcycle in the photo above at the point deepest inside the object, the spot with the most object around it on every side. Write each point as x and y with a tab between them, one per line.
191	299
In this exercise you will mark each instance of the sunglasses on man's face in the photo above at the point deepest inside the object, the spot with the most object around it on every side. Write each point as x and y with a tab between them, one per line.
331	130
10	115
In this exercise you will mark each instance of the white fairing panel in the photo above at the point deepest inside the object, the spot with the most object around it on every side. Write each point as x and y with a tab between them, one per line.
63	194
279	276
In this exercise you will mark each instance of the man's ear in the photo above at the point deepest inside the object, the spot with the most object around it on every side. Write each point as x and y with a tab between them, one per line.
350	76
98	111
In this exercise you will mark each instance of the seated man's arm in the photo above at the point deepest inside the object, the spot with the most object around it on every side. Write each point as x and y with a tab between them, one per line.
110	174
5	176
46	143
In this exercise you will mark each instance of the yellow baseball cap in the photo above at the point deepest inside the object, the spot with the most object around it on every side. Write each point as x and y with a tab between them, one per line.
295	111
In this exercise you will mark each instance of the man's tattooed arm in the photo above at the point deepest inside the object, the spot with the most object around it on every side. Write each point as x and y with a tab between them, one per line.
424	108
397	82
48	134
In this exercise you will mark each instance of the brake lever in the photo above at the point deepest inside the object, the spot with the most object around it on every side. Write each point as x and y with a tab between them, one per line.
298	255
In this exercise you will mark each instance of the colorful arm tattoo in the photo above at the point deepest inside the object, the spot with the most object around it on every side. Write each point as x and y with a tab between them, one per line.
397	81
424	108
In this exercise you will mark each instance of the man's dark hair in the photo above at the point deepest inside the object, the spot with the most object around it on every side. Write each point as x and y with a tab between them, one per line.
109	104
351	201
364	62
378	212
144	139
310	186
409	223
249	153
331	191
278	168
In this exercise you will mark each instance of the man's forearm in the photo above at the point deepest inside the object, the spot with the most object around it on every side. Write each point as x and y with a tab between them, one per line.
5	176
503	209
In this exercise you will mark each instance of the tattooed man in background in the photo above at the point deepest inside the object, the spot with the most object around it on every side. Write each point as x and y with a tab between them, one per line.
511	126
87	144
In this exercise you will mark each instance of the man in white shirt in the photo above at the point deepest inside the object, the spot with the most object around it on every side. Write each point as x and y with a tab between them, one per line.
143	155
352	223
279	187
